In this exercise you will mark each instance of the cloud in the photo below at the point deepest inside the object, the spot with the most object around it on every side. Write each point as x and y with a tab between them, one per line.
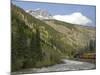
74	18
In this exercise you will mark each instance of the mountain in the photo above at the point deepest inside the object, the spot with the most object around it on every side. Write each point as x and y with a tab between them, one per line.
40	14
32	41
75	35
39	43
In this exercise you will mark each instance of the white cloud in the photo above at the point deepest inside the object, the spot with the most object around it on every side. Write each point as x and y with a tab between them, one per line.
74	18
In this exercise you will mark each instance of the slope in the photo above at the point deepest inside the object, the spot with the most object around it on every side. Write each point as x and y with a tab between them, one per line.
32	41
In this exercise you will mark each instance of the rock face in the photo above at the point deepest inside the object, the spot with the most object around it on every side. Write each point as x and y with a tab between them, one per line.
40	14
39	43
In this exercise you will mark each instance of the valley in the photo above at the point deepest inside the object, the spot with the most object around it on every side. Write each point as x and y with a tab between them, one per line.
43	45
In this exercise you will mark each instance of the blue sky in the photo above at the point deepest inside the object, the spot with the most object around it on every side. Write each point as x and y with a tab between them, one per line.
60	9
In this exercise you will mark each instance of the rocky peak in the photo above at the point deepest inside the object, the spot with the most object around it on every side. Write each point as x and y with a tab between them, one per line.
40	13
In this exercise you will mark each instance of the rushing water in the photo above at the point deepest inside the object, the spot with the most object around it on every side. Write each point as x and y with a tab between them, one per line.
68	65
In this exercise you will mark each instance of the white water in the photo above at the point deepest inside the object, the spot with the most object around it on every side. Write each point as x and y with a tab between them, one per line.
68	65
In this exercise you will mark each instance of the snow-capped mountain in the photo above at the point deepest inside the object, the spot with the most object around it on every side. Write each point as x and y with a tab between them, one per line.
73	18
40	13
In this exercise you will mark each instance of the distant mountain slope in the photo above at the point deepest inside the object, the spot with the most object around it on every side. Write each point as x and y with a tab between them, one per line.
74	35
38	43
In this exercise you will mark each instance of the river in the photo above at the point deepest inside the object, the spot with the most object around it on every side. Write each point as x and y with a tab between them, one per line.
68	65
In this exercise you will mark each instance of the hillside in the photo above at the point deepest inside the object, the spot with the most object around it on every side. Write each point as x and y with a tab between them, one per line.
38	43
75	35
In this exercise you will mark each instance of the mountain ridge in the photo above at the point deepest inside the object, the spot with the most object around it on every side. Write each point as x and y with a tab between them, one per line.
43	14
